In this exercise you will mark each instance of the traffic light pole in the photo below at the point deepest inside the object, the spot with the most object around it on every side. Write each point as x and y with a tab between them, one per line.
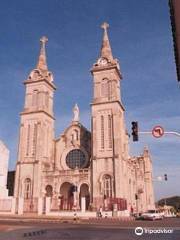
169	133
157	132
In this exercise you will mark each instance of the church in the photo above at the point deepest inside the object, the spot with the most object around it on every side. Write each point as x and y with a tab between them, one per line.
81	169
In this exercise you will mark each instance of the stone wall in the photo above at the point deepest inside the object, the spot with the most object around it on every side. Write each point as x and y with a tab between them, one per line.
4	158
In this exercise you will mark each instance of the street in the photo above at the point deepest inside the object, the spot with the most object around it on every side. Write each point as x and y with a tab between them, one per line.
86	229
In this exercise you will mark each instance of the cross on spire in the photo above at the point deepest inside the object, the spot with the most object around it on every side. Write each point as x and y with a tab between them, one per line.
106	47
42	57
105	25
43	40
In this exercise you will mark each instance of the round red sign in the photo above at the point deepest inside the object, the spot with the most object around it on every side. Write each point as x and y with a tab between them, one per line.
158	131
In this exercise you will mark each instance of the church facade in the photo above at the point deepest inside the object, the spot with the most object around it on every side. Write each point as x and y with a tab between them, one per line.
82	168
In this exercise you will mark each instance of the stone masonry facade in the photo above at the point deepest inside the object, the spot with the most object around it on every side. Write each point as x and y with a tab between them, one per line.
81	168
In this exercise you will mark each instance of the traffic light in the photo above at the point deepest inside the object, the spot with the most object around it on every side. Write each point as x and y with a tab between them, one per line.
165	177
135	131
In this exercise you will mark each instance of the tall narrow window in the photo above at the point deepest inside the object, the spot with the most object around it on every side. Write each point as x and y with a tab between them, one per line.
27	188
104	88
35	98
34	140
107	184
47	100
28	140
109	90
102	132
47	141
76	134
49	191
109	131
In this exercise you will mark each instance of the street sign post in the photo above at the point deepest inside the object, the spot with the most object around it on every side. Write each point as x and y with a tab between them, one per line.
157	132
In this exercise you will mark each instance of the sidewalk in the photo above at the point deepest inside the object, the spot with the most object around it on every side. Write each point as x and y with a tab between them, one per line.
34	217
44	218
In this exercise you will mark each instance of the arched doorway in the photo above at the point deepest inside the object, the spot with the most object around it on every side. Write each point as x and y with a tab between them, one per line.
84	196
66	196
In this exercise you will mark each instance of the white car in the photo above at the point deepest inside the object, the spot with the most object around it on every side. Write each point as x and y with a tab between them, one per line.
152	215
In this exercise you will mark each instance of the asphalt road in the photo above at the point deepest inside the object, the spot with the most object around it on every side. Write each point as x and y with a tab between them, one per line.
87	230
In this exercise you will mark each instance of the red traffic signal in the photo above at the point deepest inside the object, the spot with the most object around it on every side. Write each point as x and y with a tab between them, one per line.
135	131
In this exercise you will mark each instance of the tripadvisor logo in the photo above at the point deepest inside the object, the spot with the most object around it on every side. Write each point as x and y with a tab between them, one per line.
138	231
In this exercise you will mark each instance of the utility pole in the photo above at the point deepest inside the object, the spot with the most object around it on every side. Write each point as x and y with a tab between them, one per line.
156	132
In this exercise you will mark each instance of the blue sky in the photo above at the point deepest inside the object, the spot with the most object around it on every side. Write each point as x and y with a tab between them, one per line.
140	36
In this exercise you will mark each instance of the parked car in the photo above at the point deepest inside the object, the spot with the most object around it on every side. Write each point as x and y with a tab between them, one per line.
152	215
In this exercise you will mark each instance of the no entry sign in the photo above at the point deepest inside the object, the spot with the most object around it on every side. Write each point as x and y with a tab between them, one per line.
158	131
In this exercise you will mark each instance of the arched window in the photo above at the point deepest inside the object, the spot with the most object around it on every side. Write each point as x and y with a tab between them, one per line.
49	191
76	134
104	88
34	140
109	90
35	98
109	131
107	184
27	188
28	140
47	99
102	132
72	137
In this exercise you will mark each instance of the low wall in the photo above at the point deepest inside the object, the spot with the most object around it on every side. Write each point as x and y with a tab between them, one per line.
7	205
72	214
81	214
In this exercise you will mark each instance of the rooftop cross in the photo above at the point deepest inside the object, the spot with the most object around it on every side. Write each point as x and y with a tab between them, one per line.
105	26
43	40
106	48
42	57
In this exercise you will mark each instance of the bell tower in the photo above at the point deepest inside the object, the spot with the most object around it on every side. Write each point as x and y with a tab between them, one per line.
36	129
109	137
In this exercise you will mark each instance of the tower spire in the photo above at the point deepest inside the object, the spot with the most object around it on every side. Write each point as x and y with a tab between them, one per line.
106	51
42	64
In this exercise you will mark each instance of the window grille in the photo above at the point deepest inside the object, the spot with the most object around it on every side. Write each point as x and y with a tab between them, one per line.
75	159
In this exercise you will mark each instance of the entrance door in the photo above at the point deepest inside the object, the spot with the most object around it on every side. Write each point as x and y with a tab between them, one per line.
84	193
66	196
